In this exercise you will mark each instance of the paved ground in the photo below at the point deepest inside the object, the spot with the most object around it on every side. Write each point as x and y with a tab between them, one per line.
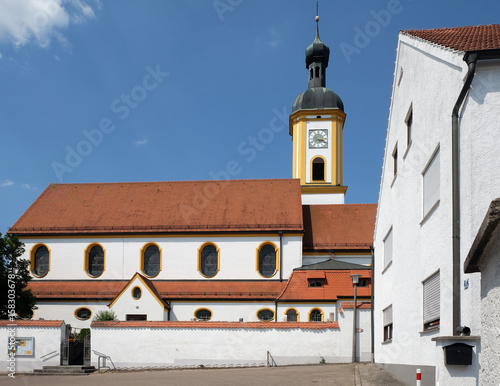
360	374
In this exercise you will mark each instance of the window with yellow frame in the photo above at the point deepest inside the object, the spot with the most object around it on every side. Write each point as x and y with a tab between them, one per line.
208	260
151	260
40	260
94	260
267	259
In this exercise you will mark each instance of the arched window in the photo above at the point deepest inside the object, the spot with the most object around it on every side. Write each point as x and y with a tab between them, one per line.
40	261
265	315
209	260
151	260
315	315
310	74
94	261
83	313
203	314
318	169
267	260
291	315
317	72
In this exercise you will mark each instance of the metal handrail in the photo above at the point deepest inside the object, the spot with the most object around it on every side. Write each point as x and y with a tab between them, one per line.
272	362
103	357
43	356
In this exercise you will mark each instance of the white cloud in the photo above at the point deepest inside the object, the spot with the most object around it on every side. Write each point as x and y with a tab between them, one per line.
141	141
40	21
6	183
28	186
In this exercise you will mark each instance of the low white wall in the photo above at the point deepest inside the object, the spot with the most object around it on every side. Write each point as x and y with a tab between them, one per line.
47	340
178	344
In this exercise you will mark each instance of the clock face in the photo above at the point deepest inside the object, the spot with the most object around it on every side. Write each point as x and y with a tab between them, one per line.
318	139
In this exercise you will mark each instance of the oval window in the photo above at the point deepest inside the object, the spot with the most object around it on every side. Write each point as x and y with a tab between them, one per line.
265	315
203	314
136	293
83	313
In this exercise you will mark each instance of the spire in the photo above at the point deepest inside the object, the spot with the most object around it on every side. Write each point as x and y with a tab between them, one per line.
317	55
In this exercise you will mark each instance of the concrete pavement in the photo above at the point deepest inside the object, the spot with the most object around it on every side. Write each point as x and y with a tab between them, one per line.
360	374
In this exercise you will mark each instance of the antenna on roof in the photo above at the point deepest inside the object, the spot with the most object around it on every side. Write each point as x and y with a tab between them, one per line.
317	13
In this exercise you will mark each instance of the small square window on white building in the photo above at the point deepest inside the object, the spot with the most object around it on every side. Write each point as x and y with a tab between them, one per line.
387	323
431	304
431	181
388	249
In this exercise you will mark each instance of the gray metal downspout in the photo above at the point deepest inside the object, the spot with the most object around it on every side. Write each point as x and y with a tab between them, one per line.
455	160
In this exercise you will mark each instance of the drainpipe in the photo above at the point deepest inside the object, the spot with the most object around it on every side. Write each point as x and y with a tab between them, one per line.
281	255
471	59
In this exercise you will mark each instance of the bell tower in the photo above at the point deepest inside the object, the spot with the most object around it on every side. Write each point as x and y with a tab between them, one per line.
316	125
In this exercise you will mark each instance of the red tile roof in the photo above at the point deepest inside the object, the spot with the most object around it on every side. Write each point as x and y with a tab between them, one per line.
149	207
360	305
337	284
220	325
169	290
32	323
481	37
338	227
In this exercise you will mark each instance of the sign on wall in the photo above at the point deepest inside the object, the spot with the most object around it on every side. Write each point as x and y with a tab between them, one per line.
22	347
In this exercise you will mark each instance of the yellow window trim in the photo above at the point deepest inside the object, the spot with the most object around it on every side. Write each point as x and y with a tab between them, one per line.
203	308
314	309
276	249
143	250
294	309
311	161
200	249
264	309
137	275
86	260
79	308
32	259
132	292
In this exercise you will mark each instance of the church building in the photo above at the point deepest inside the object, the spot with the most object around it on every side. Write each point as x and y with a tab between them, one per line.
279	252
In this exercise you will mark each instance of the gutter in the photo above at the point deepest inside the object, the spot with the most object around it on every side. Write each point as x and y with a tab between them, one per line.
471	58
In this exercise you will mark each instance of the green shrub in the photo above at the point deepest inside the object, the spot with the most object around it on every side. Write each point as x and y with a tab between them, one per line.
104	315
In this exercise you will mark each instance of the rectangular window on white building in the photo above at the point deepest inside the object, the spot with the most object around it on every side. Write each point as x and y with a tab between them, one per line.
388	248
431	182
431	304
387	323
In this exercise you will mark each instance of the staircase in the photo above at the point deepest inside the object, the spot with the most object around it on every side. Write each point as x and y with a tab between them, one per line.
64	370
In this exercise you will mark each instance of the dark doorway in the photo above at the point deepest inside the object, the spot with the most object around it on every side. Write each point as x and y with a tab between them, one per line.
131	317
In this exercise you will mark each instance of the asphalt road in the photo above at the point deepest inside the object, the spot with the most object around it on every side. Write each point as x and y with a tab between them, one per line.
327	374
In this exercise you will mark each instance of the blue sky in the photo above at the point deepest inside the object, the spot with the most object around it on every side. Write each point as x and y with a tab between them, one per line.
164	90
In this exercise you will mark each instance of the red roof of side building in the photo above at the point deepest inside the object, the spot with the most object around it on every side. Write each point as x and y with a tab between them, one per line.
359	305
338	227
336	284
220	325
168	290
31	323
481	37
154	207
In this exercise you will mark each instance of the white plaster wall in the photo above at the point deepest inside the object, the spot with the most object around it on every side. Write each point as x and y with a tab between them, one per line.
355	259
313	259
363	339
238	256
65	310
304	309
221	311
217	346
431	82
47	341
146	304
458	375
490	313
322	198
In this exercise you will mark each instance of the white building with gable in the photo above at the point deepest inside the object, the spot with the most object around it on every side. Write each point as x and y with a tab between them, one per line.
440	174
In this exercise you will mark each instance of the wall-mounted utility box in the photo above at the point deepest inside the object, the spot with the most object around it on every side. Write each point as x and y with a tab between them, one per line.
458	354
